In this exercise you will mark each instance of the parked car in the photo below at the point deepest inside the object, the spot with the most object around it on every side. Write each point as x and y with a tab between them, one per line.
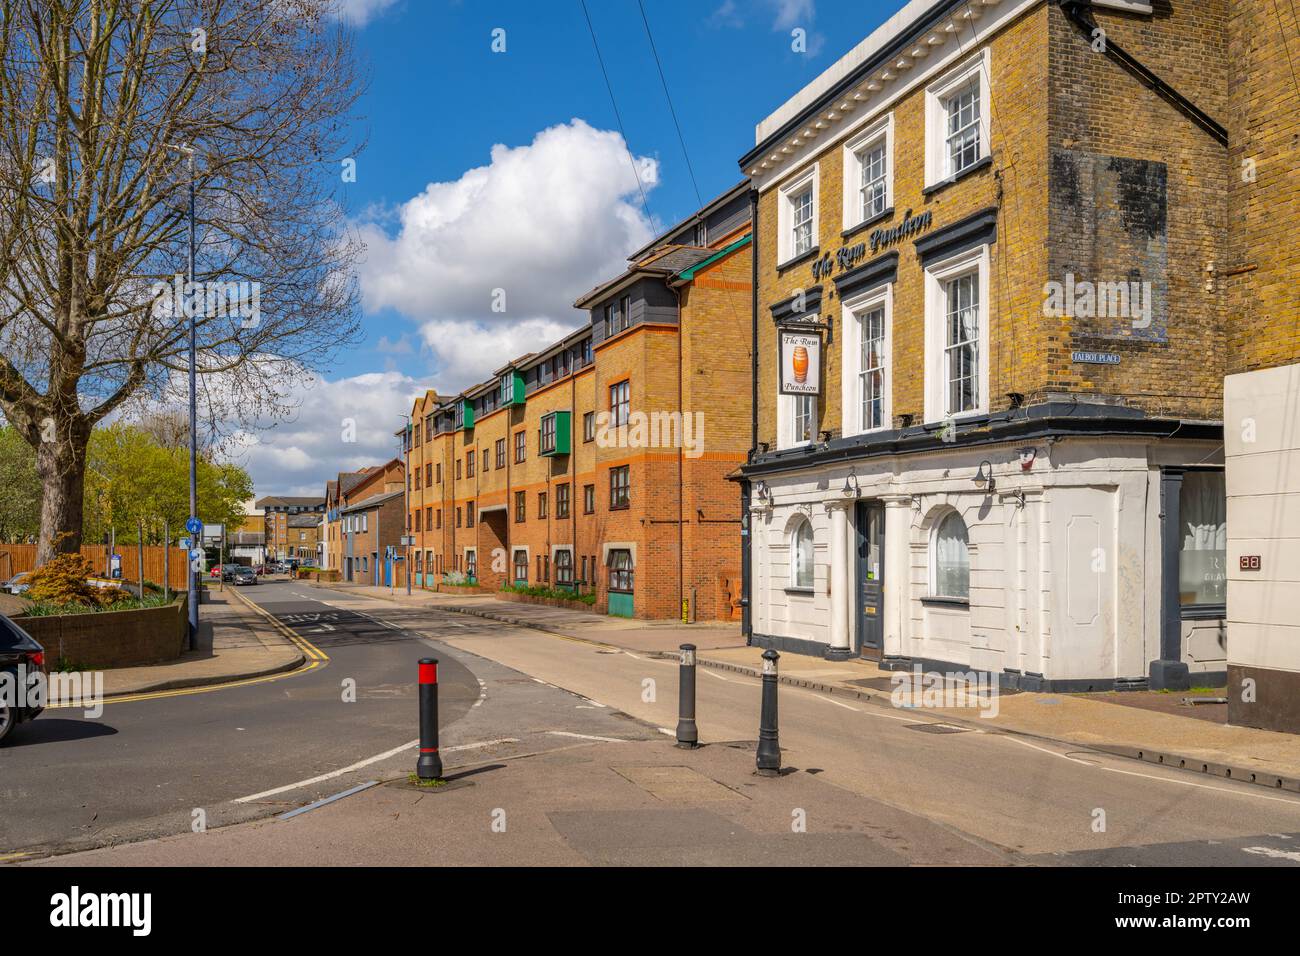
18	583
239	574
19	654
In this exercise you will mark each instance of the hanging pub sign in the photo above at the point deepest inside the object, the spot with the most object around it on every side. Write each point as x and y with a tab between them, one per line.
801	363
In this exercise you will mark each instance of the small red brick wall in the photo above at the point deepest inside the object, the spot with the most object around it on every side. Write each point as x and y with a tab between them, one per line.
109	639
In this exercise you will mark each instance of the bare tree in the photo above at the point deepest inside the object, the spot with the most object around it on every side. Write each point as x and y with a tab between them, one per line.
94	213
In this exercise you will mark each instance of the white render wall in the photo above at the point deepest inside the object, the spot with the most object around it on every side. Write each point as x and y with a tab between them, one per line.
1066	585
1262	449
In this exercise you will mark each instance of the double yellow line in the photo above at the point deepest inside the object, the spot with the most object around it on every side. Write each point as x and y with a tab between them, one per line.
315	658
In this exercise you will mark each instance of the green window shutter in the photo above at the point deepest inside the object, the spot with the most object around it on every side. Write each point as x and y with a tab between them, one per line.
467	415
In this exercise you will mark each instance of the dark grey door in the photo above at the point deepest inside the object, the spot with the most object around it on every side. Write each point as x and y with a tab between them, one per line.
870	570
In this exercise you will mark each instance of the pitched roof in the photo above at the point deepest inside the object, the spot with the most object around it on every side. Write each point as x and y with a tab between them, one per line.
374	501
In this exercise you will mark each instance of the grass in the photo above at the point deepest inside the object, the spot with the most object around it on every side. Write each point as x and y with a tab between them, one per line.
414	780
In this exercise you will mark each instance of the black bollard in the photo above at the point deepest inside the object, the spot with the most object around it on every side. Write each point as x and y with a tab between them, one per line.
688	735
769	747
429	766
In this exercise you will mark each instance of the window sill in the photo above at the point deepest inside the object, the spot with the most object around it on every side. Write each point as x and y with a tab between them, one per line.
795	260
975	167
962	604
854	230
619	507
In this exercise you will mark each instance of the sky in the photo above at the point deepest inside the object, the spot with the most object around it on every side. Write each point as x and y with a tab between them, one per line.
495	182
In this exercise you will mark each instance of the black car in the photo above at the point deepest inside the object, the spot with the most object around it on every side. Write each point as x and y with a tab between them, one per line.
241	574
21	659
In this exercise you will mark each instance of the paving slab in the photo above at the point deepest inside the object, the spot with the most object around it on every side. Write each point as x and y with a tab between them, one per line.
633	803
1259	756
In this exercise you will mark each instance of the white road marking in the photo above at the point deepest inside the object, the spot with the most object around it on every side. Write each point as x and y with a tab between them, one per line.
367	762
718	676
832	700
611	740
1150	776
670	733
1272	853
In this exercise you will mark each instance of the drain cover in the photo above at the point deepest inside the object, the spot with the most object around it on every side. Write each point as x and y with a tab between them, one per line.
937	728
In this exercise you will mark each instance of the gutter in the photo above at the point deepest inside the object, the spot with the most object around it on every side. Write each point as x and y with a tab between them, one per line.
1077	12
747	532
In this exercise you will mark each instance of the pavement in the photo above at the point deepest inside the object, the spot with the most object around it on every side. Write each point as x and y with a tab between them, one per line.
1153	734
235	643
613	802
559	750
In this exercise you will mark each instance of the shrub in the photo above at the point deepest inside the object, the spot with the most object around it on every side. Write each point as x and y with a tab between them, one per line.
63	580
555	593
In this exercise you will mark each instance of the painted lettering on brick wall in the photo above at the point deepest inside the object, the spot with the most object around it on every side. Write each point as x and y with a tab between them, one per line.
910	226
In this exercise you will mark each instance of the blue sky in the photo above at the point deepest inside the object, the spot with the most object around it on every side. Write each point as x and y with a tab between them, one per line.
503	173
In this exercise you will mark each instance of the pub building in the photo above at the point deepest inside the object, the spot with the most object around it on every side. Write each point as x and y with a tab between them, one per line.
989	348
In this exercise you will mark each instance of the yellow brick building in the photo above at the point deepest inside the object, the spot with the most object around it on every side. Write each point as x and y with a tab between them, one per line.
990	350
1260	277
599	463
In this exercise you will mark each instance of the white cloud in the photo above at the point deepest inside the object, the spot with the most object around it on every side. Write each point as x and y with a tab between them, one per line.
360	12
794	13
786	14
336	426
469	352
543	223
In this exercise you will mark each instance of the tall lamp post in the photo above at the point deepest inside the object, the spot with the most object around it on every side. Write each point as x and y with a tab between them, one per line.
188	152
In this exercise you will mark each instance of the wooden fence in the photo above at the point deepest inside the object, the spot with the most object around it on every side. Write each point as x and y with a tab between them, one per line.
15	558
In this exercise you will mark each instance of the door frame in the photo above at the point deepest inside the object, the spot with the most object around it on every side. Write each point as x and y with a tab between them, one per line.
863	510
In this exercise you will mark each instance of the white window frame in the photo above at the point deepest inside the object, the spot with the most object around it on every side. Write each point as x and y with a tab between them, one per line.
1130	6
850	385
881	131
937	275
793	583
977	68
785	213
933	585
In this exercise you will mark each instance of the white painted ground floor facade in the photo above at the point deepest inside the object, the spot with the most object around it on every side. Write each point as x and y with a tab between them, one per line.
1262	441
1066	572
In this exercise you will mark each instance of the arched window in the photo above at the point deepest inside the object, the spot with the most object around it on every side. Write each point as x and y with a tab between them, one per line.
801	555
951	558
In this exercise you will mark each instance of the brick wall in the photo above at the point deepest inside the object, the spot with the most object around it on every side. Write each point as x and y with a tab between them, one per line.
1263	304
1152	186
714	347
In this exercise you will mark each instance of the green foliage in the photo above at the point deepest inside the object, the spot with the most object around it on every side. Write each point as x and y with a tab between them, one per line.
129	602
133	476
20	488
557	593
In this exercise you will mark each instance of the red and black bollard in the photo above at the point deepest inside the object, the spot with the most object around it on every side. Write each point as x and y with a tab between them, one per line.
429	766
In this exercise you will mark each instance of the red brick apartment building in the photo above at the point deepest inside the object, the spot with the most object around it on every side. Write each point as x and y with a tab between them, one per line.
353	543
599	462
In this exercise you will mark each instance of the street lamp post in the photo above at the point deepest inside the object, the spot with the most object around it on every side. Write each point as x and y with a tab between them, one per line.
188	152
